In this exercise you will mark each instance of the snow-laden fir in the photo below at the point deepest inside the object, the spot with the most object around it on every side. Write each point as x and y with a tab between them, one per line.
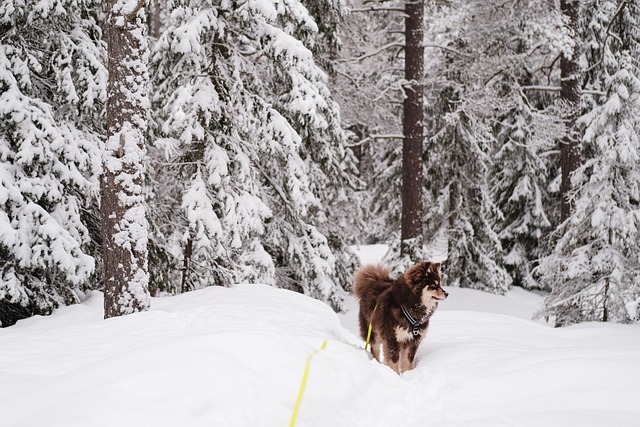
249	150
235	357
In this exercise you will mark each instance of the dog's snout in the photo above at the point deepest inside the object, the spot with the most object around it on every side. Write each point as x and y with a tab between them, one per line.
446	294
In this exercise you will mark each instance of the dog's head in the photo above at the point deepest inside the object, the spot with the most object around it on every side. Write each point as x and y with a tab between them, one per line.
424	280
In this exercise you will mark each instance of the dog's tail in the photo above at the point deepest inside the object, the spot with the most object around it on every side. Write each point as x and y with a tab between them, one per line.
368	275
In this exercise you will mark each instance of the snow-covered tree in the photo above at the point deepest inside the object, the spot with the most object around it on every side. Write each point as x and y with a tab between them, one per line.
519	185
462	205
124	225
481	124
367	83
52	91
250	155
594	270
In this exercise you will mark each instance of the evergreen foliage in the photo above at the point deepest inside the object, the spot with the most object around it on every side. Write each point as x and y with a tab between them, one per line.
52	92
594	269
249	174
519	182
367	84
483	163
248	127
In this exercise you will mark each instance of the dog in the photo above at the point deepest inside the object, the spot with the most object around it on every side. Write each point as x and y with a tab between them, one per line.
398	310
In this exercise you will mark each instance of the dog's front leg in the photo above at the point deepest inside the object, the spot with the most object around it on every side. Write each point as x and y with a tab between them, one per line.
407	355
392	355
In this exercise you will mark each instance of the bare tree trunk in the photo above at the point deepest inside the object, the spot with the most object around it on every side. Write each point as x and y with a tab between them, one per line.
156	9
570	148
185	265
412	126
124	227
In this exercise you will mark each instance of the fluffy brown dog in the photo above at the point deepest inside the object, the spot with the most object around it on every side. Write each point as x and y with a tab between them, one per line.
399	310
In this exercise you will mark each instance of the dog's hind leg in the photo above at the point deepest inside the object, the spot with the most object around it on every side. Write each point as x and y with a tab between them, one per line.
375	348
364	324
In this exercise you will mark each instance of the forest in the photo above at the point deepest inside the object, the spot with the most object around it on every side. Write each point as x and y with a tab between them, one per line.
150	148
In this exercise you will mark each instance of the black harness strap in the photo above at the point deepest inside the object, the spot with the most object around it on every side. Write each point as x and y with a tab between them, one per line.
415	326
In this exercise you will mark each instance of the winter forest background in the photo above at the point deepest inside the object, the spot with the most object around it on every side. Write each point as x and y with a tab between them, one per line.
152	149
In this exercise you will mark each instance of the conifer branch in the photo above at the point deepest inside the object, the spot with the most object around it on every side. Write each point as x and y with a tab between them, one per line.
139	6
376	52
378	9
558	88
608	34
402	45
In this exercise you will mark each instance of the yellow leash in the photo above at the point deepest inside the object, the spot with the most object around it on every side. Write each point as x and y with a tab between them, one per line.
305	376
366	344
307	365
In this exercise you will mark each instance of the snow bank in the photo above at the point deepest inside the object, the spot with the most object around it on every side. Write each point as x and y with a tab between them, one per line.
235	357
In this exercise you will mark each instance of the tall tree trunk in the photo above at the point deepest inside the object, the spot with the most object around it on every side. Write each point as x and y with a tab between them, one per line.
124	226
570	149
412	126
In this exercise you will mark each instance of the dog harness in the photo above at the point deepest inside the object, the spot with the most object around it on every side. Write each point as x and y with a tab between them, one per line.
415	326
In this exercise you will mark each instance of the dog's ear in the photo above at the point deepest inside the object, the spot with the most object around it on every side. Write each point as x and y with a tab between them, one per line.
436	267
432	267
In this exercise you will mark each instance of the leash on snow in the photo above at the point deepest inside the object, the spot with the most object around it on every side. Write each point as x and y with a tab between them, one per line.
307	366
303	385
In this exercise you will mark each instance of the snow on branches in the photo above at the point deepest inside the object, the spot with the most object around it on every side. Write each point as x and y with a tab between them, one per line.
247	122
52	90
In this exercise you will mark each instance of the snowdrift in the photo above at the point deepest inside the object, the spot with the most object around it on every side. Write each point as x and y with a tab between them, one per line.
235	357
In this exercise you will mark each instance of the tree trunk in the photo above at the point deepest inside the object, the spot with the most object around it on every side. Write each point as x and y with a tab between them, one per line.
570	148
188	250
412	126
124	226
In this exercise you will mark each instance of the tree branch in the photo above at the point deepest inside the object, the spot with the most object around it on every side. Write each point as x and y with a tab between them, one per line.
448	49
558	88
376	52
608	34
402	45
379	9
139	6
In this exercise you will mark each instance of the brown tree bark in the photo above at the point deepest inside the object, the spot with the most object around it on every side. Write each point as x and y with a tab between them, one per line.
412	126
124	230
570	147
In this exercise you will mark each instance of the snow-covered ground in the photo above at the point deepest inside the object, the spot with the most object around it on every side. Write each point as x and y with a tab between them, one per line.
235	357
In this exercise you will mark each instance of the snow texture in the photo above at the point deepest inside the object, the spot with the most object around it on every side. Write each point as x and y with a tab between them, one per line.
235	357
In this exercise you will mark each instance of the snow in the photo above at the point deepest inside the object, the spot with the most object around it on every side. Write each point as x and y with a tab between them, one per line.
235	357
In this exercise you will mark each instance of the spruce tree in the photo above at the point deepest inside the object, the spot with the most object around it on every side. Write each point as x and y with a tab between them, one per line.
594	269
53	85
519	180
248	127
482	123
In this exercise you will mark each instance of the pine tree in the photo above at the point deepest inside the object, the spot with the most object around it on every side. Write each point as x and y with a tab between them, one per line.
411	234
248	127
124	225
570	85
594	270
52	91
